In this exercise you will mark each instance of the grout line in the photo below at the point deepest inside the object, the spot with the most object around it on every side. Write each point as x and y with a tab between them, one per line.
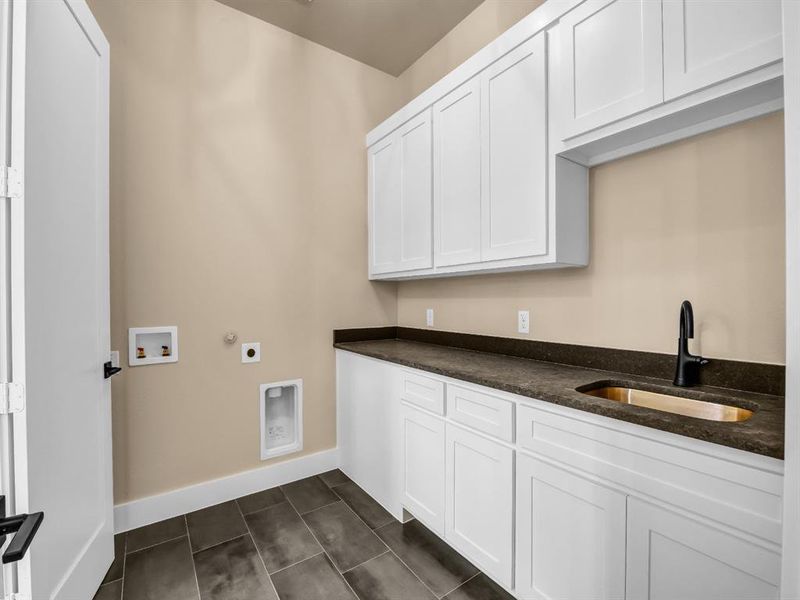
258	552
186	535
244	514
368	560
318	508
217	544
347	583
465	582
298	562
435	595
191	557
124	564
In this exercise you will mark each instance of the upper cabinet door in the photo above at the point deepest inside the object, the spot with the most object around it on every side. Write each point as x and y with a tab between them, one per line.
708	41
457	176
384	205
514	166
612	57
400	198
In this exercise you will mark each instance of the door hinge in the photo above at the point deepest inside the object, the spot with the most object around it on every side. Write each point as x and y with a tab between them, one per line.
10	183
12	398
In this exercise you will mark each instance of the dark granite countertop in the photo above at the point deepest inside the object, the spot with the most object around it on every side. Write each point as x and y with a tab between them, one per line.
557	383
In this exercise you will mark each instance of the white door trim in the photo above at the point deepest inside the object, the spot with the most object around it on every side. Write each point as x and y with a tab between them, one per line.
790	578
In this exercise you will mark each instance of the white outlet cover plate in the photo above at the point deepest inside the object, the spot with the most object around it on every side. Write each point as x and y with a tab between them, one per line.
523	321
256	347
429	317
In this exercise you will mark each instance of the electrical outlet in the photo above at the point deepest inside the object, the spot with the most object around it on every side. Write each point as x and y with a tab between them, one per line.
429	317
523	321
251	352
114	358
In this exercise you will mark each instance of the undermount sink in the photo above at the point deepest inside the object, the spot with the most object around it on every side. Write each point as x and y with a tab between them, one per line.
710	411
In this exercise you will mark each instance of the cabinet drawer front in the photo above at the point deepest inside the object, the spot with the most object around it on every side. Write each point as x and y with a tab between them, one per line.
425	392
481	411
740	495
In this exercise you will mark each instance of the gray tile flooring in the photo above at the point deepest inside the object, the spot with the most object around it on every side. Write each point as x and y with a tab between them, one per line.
320	538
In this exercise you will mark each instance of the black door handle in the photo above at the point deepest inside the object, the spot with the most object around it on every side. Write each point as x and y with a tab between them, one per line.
110	371
24	528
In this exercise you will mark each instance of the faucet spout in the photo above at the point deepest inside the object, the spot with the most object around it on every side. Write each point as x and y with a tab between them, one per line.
687	371
686	326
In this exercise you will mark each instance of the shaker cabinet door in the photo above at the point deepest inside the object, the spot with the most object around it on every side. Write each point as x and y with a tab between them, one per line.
570	535
457	176
480	501
514	166
423	471
400	199
612	62
708	41
674	556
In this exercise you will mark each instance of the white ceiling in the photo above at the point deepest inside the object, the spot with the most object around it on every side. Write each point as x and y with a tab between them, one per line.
386	34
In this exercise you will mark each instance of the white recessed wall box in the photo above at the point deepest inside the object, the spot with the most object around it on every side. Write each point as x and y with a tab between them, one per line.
152	345
281	418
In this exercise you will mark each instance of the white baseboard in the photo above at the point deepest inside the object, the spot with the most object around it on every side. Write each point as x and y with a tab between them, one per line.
194	497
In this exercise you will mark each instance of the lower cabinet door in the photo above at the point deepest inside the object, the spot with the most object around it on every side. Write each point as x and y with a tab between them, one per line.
422	436
570	535
673	556
480	503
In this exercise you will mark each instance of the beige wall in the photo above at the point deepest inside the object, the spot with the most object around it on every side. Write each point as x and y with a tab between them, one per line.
237	203
700	219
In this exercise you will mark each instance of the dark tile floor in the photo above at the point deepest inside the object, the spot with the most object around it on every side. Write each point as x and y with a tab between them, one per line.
320	538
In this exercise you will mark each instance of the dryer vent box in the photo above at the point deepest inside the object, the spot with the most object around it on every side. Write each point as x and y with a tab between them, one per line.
281	418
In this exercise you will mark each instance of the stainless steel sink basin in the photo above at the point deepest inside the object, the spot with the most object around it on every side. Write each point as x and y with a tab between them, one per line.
699	409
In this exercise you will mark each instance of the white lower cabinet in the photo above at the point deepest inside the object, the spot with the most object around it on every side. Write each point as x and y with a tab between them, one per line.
423	472
570	535
580	507
480	501
674	556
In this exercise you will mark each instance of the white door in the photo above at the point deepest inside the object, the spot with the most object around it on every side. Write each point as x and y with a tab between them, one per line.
59	325
514	165
480	501
570	535
708	41
672	556
457	176
612	62
422	442
400	198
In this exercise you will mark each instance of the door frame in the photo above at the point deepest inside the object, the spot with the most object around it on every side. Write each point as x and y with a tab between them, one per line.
790	575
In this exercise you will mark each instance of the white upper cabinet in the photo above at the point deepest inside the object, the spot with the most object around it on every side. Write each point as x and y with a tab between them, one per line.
487	170
457	175
708	41
400	173
612	62
514	165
